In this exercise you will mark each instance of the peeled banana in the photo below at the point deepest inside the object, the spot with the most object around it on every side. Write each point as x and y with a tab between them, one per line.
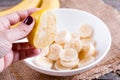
87	42
69	51
69	54
58	66
75	44
45	51
86	61
44	31
85	31
75	36
43	62
70	64
87	50
62	37
55	50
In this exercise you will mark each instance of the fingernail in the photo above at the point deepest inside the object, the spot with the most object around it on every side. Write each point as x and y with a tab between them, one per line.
28	20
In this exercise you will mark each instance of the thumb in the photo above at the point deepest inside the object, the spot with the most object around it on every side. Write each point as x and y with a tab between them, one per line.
21	31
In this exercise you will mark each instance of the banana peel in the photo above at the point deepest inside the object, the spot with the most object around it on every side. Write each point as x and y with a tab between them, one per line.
50	4
23	5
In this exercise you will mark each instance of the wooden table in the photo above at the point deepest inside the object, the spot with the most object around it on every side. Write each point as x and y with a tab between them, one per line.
113	3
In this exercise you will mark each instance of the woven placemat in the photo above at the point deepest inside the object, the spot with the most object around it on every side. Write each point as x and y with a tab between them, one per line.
19	71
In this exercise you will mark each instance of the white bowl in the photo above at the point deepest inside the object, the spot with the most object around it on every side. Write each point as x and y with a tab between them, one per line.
71	19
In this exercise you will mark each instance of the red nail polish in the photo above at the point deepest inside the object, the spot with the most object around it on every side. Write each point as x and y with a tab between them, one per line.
28	20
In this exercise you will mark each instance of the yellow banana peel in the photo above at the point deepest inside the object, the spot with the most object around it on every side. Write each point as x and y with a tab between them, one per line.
23	5
50	4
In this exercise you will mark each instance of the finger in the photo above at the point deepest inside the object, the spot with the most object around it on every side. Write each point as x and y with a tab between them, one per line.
11	19
8	58
21	46
23	54
5	46
1	64
21	31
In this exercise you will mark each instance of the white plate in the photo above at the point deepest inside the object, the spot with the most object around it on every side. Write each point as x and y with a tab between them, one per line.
71	19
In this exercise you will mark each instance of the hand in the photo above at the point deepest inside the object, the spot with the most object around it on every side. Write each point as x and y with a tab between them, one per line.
9	51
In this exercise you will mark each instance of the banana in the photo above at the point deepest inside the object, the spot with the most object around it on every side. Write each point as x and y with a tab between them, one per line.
69	54
75	36
88	41
88	50
44	31
43	62
75	44
62	37
50	4
58	66
86	61
23	5
70	64
55	50
45	51
85	31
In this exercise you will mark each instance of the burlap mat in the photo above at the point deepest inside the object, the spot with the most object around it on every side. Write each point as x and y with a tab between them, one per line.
111	62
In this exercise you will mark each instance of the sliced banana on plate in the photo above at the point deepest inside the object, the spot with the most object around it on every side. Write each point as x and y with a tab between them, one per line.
87	50
86	61
69	54
75	36
45	51
75	44
88	41
43	62
68	50
62	37
58	66
55	50
70	64
85	31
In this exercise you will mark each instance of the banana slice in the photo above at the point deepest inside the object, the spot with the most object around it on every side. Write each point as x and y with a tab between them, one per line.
70	64
87	41
58	66
55	50
43	62
69	54
44	31
86	61
75	44
87	50
85	31
75	36
63	37
45	51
